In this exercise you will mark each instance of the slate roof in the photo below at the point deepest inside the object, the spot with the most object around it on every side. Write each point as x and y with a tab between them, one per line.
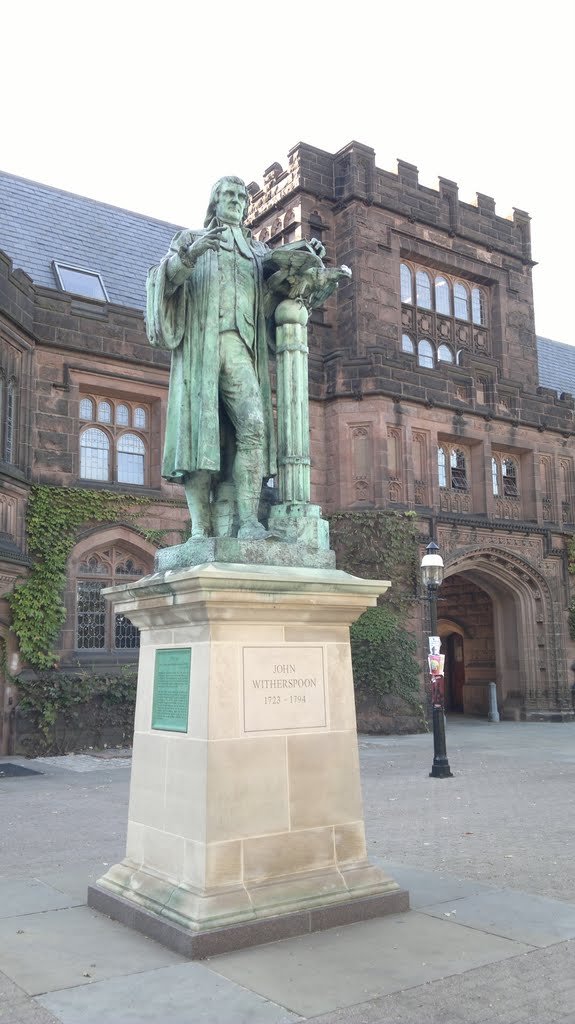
39	224
556	365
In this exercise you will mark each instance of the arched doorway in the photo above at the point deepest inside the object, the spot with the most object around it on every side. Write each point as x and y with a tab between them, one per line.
499	615
466	628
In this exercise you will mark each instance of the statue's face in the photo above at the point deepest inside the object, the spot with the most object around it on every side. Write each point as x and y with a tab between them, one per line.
231	202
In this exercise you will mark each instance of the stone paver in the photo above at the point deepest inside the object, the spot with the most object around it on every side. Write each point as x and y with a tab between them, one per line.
504	822
536	988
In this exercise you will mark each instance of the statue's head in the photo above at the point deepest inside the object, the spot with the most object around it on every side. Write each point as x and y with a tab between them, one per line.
226	199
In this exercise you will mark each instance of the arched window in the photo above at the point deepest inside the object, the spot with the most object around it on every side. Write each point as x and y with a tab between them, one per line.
113	454
423	286
104	412
458	470
452	467
98	628
426	354
442	467
495	477
9	424
131	454
509	474
406	284
442	296
407	344
504	476
444	354
461	301
459	356
86	409
94	454
478	306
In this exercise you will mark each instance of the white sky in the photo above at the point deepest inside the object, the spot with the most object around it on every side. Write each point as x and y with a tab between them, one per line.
145	105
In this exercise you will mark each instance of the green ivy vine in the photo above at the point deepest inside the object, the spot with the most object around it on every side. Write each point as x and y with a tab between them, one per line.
383	545
380	545
54	516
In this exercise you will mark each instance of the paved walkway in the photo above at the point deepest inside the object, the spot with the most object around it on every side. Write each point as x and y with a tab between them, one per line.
487	857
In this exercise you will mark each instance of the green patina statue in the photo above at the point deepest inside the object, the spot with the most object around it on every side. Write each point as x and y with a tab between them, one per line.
209	304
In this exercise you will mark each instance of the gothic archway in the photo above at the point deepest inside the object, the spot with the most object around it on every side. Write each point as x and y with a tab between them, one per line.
529	662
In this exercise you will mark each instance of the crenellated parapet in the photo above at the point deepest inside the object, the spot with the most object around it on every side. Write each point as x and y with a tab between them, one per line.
351	174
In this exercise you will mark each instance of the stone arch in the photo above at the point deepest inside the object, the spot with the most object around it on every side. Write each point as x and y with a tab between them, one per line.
99	538
528	628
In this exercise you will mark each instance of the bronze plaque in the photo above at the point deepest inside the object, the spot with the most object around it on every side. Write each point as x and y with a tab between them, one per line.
172	689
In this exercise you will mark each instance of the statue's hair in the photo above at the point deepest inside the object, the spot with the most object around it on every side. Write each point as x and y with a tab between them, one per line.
211	212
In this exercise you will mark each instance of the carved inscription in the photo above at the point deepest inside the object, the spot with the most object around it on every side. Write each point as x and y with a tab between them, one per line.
283	688
172	689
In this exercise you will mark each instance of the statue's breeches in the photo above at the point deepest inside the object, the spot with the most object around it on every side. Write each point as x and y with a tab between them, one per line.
240	391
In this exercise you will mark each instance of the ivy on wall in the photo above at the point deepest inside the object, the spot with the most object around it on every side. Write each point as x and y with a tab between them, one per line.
383	545
54	516
380	545
58	706
382	654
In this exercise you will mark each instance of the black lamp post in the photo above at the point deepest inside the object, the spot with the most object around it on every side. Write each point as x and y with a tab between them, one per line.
432	578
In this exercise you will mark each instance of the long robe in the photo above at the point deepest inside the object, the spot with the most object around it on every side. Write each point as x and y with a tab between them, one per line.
187	323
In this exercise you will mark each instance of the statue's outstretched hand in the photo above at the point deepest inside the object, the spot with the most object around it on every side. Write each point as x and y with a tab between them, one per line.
190	251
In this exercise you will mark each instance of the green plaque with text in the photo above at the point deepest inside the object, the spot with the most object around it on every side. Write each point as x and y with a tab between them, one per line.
172	689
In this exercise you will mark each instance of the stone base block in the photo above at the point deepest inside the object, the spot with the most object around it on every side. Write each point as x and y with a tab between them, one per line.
198	551
300	523
201	943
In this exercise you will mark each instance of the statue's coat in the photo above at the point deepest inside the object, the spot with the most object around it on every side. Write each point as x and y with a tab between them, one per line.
187	323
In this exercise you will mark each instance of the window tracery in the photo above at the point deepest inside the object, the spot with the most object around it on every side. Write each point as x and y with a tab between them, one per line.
98	628
444	310
111	451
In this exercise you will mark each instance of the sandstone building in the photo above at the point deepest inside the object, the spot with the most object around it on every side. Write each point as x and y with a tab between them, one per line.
429	392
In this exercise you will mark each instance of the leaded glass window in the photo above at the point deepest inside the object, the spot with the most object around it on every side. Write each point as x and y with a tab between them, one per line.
442	467
423	286
458	470
442	296
112	454
91	616
104	412
94	454
97	626
86	409
131	453
478	306
495	477
426	354
509	474
444	354
407	344
461	301
406	284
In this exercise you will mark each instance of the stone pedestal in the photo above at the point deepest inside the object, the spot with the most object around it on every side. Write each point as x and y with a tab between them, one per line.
245	819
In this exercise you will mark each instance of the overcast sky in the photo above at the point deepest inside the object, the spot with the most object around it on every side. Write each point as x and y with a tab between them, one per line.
144	106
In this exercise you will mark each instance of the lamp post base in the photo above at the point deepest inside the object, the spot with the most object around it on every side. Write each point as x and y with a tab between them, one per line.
440	768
